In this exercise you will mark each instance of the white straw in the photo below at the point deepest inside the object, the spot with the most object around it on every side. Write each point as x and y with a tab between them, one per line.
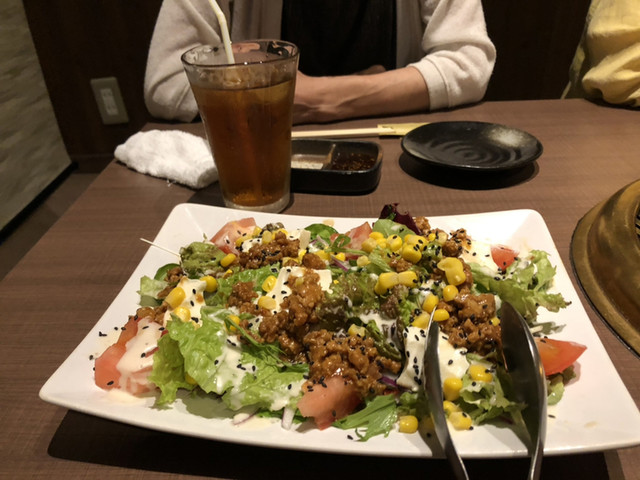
222	21
160	247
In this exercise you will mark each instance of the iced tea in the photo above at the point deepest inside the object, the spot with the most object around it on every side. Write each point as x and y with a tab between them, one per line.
247	112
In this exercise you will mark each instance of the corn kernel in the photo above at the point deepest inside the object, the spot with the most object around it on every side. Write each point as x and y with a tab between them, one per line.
382	243
449	293
441	238
357	330
369	245
324	255
362	261
241	239
256	231
440	315
421	321
453	269
340	256
479	373
269	283
386	281
451	388
175	297
267	236
376	235
212	283
450	407
411	253
267	303
408	278
408	424
227	260
430	303
182	313
235	319
394	242
495	321
460	421
431	237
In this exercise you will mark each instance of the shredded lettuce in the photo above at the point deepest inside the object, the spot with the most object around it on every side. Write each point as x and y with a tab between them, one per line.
525	284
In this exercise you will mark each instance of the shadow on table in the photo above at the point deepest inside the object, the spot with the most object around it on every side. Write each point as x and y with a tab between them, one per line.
85	438
464	179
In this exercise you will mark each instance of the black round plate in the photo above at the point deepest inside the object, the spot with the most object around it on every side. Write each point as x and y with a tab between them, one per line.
472	146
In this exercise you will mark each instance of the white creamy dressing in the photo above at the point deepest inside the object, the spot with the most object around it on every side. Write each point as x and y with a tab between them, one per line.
138	356
453	361
480	253
193	300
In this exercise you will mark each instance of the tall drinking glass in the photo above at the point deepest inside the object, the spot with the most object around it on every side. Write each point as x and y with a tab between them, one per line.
247	110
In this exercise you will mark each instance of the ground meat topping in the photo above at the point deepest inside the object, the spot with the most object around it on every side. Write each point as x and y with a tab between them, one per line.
469	325
260	255
354	358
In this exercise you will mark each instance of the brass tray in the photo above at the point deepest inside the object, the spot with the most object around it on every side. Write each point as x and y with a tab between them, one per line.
605	252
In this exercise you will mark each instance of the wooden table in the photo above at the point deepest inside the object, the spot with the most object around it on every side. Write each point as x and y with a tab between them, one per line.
61	288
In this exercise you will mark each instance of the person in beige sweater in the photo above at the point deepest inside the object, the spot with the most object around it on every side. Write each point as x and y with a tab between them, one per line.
606	65
443	57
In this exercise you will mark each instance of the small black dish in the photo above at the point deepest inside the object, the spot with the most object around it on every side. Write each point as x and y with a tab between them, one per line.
335	166
475	146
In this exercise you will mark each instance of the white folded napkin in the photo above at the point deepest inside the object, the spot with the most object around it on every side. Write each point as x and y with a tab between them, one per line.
172	154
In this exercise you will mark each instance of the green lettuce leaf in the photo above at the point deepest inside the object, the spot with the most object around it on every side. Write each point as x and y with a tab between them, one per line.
149	290
378	417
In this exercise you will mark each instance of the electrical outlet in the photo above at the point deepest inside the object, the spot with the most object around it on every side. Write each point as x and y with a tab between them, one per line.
107	94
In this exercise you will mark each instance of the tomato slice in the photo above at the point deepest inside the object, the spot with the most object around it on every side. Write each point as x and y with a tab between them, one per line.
358	235
503	256
557	355
226	237
328	404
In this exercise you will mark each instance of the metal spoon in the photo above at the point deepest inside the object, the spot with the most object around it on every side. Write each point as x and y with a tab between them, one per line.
523	364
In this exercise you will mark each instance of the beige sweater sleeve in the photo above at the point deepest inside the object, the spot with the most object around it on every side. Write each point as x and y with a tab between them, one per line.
459	56
181	25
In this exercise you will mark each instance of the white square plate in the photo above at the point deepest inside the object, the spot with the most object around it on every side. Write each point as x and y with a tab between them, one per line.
596	413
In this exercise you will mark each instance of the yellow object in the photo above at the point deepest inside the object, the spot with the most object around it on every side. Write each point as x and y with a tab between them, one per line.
182	313
606	64
269	283
411	253
340	256
451	388
267	236
227	260
394	242
495	321
460	421
430	303
267	302
369	245
324	255
449	407
421	321
175	297
440	315
376	235
212	283
408	278
362	261
408	424
357	330
449	293
453	270
235	319
479	373
386	281
189	379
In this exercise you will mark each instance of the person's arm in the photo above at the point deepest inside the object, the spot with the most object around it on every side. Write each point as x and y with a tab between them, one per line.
459	56
181	25
325	99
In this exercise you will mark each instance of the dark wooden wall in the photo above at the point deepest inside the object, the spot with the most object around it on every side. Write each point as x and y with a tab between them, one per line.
78	40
